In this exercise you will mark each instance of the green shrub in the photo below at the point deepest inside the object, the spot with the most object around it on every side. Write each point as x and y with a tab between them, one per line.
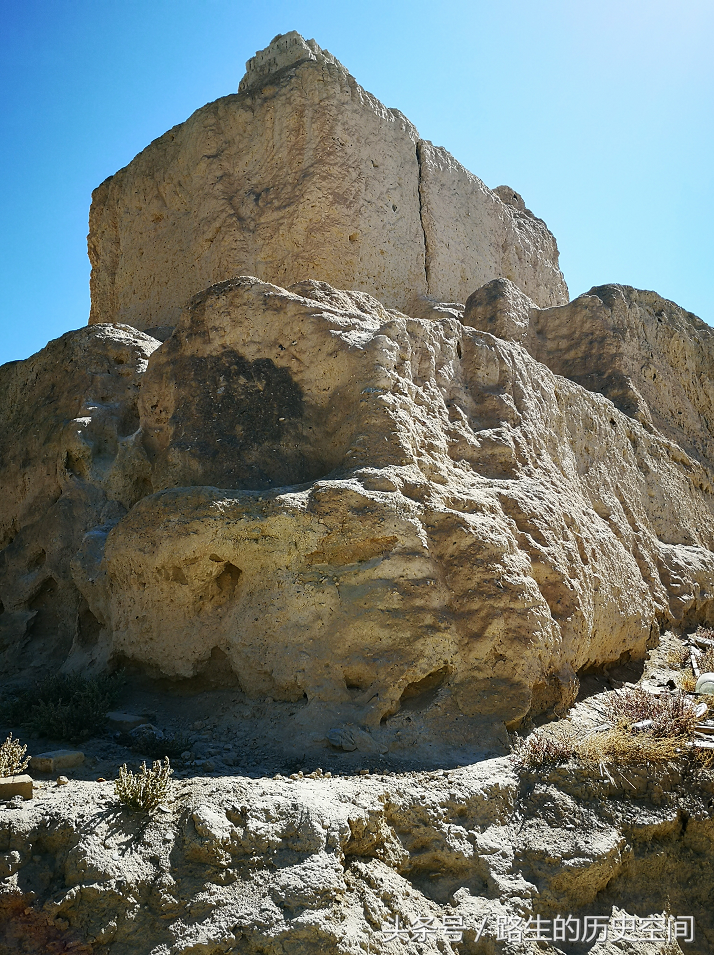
146	790
12	757
65	706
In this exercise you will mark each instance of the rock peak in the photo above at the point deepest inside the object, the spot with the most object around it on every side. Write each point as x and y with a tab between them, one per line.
283	51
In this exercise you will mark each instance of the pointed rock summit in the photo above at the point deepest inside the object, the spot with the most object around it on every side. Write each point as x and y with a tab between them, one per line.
305	175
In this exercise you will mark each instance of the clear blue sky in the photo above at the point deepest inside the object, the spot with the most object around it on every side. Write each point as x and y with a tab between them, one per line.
600	112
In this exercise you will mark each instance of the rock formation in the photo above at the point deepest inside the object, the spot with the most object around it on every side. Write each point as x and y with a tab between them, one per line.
342	503
315	865
353	507
651	358
305	175
284	455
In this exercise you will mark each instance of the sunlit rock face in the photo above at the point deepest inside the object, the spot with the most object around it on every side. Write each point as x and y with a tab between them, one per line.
305	175
442	509
359	508
69	462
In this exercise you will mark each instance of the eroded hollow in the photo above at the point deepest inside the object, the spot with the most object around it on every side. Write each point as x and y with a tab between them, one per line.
422	693
597	678
48	607
37	560
227	580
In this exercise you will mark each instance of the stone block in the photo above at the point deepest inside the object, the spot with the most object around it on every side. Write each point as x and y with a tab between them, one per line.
11	786
55	760
124	721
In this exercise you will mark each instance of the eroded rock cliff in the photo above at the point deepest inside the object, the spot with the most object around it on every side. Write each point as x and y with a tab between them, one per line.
354	506
391	527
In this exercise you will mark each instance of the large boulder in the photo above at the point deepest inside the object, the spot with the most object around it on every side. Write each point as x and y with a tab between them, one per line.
304	175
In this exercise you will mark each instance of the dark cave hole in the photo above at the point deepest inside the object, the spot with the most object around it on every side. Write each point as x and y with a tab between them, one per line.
88	627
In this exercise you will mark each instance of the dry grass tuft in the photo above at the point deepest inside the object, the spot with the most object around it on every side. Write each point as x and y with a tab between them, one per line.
541	748
619	745
706	661
678	657
687	682
145	790
707	633
668	726
672	716
12	757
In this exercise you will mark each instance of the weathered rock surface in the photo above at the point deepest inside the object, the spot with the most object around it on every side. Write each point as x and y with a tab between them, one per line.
69	463
317	865
397	533
651	358
364	509
304	175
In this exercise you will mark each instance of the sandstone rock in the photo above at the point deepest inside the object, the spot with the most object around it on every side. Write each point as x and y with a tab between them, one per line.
473	234
651	358
68	465
11	786
371	206
328	501
326	865
57	759
124	722
423	513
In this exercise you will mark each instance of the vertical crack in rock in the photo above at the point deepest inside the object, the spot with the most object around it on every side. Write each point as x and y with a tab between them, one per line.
421	219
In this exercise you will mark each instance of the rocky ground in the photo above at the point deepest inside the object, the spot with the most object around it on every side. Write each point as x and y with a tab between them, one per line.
258	852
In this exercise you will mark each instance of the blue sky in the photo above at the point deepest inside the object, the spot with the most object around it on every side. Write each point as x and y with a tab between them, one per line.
598	112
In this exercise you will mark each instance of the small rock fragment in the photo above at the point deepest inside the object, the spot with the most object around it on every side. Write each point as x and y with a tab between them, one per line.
124	721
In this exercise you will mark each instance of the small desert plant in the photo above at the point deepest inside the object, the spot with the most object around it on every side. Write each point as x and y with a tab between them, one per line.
542	748
65	706
12	757
678	657
706	661
687	681
145	790
671	716
706	633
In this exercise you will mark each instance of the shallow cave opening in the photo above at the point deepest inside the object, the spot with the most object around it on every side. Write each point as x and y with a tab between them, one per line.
37	560
228	578
49	617
594	678
421	693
